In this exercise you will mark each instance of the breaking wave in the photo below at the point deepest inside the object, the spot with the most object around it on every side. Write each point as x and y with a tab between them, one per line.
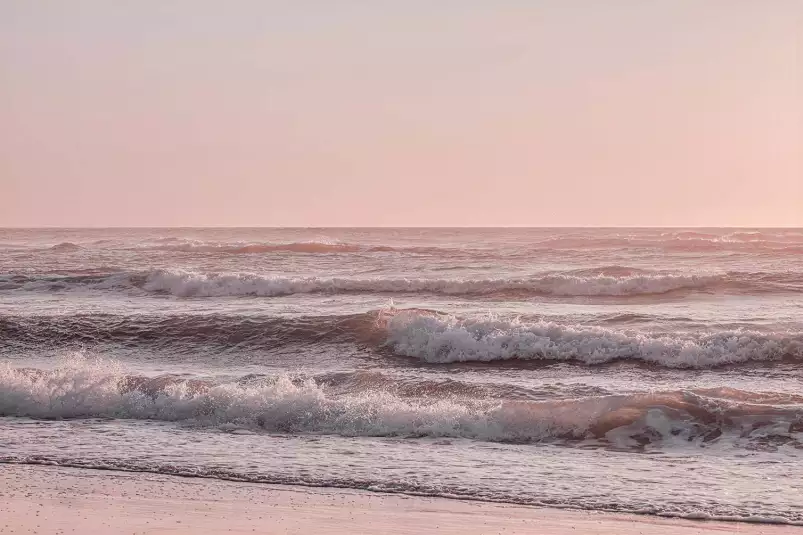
298	404
428	336
194	285
613	281
436	338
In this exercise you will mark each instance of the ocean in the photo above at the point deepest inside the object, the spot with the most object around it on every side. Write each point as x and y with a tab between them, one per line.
650	371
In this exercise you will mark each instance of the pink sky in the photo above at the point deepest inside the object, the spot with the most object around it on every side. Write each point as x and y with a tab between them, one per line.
252	113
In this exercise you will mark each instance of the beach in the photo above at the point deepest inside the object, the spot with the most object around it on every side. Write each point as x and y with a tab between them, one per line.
564	374
48	499
401	267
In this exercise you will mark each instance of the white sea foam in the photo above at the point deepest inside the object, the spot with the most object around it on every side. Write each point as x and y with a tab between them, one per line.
319	246
188	284
443	339
82	388
611	281
88	389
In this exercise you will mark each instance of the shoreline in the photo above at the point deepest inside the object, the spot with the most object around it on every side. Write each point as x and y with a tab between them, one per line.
405	494
55	499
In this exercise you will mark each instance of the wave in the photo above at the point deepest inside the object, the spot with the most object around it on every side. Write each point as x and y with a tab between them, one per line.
253	248
66	247
308	247
484	242
226	248
682	241
195	285
427	336
287	404
185	332
615	281
439	339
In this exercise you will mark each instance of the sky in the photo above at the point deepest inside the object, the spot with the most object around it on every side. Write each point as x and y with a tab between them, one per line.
402	113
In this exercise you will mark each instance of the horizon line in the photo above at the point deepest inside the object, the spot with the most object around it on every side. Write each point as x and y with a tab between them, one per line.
389	227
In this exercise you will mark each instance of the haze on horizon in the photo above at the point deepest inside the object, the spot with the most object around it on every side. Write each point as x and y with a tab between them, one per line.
452	113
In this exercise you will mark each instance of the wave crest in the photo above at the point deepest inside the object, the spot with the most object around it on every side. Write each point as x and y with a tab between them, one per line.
429	336
612	281
442	339
287	404
66	247
184	284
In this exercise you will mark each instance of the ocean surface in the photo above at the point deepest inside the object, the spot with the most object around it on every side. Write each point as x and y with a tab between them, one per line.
654	371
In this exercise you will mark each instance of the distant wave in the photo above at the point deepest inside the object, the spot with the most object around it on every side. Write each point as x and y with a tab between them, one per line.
232	248
679	245
488	243
298	404
562	244
311	247
428	336
62	247
254	248
781	242
600	282
66	247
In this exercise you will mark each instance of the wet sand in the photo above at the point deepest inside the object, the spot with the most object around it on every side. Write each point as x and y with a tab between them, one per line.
45	500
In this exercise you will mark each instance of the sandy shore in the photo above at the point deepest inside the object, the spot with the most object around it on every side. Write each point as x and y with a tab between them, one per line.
39	499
